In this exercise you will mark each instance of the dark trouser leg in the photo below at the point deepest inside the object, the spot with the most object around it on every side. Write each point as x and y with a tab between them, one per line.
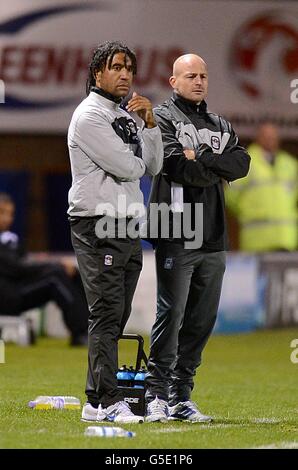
132	274
10	299
80	319
173	281
102	265
199	319
51	283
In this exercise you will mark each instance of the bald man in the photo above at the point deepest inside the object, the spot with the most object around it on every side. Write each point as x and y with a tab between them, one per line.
200	151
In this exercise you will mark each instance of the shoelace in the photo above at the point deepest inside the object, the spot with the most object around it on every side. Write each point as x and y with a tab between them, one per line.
191	405
158	405
123	409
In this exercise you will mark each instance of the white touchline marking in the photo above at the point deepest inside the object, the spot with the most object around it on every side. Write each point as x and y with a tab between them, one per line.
265	420
191	426
242	424
166	430
279	445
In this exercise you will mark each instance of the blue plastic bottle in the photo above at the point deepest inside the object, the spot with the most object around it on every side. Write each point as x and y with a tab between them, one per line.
123	376
140	378
105	431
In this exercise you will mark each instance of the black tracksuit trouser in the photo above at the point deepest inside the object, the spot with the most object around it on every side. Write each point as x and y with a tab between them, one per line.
46	282
188	291
110	268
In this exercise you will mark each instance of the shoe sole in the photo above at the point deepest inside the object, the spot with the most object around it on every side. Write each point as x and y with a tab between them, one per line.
93	420
156	420
191	420
134	421
85	420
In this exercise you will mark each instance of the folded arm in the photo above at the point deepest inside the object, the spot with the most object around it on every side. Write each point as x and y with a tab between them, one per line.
96	137
231	164
176	165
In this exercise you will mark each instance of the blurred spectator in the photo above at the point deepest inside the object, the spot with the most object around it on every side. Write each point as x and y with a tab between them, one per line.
265	202
25	284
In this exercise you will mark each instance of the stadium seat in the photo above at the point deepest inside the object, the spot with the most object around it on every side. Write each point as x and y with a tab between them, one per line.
17	329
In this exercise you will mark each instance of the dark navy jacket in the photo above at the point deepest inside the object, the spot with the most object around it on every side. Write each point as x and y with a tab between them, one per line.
184	125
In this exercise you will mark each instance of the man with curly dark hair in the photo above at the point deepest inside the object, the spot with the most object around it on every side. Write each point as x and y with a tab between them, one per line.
109	155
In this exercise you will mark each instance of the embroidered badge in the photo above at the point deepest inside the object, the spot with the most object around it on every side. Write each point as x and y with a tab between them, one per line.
215	142
169	263
108	260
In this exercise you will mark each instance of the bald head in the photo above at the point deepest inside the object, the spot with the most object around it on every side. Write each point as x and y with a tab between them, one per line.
185	61
190	77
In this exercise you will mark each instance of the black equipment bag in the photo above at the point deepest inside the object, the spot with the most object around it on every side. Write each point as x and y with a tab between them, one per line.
135	397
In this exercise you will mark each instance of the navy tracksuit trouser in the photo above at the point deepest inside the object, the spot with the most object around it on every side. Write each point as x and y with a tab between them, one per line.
188	292
110	269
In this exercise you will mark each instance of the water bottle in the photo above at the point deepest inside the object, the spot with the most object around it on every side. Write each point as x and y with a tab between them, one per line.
123	376
140	378
107	431
55	402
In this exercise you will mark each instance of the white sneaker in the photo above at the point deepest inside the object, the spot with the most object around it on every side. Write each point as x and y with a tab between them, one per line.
157	410
120	412
89	413
188	411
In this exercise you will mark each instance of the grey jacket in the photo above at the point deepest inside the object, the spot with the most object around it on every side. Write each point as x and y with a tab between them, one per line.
108	156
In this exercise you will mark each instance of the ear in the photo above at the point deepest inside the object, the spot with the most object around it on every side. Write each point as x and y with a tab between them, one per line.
97	76
172	81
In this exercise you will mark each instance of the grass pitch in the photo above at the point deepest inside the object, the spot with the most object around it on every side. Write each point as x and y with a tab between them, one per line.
246	382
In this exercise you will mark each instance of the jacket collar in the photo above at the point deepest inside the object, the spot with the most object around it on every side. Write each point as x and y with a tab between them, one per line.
106	94
188	106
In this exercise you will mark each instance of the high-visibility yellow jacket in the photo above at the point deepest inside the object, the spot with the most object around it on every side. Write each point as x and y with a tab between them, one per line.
265	202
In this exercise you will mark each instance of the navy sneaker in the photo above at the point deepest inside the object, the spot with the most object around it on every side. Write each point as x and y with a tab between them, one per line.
188	411
120	412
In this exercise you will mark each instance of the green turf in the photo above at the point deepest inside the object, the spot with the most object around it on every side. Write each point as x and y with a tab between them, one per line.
247	382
